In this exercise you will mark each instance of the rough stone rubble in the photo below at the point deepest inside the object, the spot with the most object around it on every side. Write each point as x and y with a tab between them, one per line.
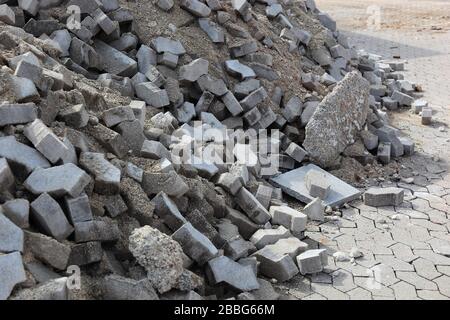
91	117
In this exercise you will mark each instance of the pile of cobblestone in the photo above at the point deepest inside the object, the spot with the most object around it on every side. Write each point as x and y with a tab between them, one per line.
103	164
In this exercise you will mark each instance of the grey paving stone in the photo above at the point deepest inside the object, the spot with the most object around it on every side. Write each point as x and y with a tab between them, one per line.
107	176
50	217
425	269
417	281
17	113
329	291
48	250
275	265
11	273
11	236
114	61
17	211
58	181
404	291
293	184
96	230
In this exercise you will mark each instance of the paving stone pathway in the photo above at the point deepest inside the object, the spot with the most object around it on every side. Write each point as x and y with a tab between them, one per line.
407	248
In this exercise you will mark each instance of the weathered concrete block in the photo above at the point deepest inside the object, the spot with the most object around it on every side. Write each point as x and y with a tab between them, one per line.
11	273
86	253
312	261
97	230
223	270
378	197
237	69
107	176
48	250
275	265
289	218
11	236
197	8
7	179
231	183
17	211
290	246
154	150
116	287
152	95
7	15
384	152
109	139
296	152
45	141
58	181
161	44
167	210
116	115
75	116
17	113
213	30
264	237
114	61
264	195
194	70
78	209
197	246
50	217
171	183
427	116
245	226
251	206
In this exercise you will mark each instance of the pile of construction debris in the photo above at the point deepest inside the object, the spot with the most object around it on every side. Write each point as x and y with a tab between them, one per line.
102	167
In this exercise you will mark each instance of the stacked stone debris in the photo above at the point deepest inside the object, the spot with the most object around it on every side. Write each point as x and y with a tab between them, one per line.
92	114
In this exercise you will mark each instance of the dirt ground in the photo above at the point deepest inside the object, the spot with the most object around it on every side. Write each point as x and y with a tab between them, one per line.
418	15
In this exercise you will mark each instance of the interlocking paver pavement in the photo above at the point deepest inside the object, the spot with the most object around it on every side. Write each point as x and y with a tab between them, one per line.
406	248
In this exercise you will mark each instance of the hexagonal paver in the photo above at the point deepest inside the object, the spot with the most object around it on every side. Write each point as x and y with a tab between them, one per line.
377	289
433	257
396	264
425	268
343	280
430	295
403	252
314	296
417	281
444	270
384	274
443	283
329	291
359	294
404	291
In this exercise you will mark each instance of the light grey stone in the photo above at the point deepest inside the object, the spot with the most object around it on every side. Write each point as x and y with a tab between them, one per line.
17	113
275	265
17	211
315	210
96	230
252	207
116	287
11	273
78	209
107	176
58	181
378	197
114	61
317	184
11	236
48	250
264	237
312	261
289	218
223	270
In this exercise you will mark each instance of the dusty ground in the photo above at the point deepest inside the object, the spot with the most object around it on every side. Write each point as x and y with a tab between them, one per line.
417	15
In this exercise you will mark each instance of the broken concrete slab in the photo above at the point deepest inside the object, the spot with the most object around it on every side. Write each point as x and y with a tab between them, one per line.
58	181
293	183
337	119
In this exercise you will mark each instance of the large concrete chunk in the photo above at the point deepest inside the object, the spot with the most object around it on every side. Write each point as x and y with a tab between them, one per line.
45	141
50	217
275	265
114	61
25	158
378	197
293	183
97	230
17	113
159	255
11	273
58	181
239	277
48	250
11	236
107	176
337	119
197	246
252	207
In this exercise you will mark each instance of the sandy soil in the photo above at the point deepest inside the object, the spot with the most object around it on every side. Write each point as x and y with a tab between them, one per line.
419	15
